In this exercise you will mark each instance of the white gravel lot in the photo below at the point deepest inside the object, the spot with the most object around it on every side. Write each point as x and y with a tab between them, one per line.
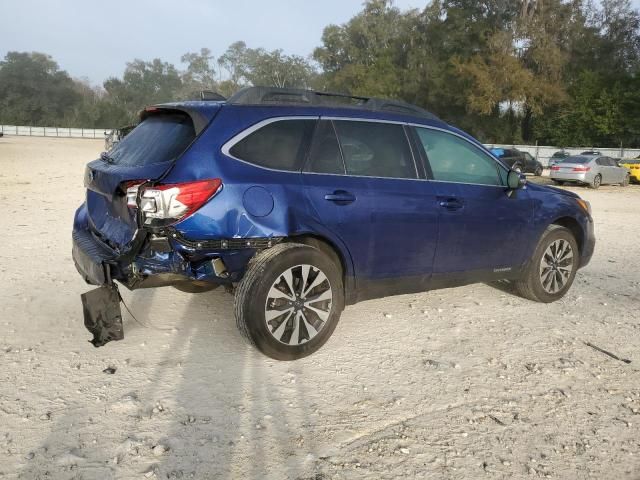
462	383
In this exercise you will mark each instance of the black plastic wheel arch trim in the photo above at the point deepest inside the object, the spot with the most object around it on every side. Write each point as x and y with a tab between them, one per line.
225	243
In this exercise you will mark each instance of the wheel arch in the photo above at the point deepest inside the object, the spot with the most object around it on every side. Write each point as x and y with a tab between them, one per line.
574	226
341	257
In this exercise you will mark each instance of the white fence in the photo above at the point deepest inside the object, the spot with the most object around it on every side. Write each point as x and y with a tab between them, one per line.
53	131
542	153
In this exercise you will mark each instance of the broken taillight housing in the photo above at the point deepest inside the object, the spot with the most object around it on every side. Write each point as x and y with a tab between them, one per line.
167	203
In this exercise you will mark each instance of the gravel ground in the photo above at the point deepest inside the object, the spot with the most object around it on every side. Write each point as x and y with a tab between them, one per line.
460	383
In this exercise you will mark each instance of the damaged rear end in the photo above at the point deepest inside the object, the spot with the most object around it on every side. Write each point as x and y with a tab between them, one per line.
125	229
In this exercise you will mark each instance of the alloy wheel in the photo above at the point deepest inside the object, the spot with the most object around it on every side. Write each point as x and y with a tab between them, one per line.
597	181
556	266
298	304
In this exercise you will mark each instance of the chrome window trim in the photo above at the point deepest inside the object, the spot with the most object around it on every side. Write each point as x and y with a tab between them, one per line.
229	144
226	147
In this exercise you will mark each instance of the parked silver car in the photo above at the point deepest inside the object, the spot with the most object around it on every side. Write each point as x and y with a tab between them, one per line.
592	170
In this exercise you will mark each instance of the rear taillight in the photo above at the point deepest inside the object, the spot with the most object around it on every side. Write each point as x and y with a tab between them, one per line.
172	201
555	169
581	169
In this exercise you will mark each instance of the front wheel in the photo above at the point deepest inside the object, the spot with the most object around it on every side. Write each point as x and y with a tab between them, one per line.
552	269
289	301
538	171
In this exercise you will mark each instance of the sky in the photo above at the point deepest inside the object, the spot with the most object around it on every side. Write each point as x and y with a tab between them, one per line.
94	40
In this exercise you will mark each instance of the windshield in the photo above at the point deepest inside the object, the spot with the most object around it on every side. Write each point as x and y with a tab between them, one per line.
577	159
559	155
158	139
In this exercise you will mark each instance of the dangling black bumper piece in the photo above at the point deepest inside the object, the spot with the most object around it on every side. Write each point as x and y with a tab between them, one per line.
102	316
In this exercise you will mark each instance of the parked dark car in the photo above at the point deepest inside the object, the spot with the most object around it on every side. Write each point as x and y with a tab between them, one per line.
302	202
518	160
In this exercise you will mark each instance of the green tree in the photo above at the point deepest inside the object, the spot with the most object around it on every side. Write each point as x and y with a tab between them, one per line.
144	83
34	91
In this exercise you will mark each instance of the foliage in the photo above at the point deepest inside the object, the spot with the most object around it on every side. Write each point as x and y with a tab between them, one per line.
550	71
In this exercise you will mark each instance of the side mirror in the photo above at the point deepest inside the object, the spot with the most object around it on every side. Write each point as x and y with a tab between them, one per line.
516	180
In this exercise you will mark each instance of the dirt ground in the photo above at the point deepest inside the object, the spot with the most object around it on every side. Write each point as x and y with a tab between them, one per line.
462	383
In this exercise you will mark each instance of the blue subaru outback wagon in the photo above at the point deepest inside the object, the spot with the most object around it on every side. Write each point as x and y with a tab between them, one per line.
302	202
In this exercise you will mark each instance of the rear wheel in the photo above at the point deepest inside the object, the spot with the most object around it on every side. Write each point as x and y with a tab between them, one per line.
517	168
558	182
289	301
626	181
552	269
596	182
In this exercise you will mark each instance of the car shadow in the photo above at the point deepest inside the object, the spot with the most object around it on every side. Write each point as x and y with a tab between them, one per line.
206	407
504	286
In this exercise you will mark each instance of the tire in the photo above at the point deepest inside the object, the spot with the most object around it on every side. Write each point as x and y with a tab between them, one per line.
538	171
626	181
558	182
597	181
537	283
264	287
517	168
196	287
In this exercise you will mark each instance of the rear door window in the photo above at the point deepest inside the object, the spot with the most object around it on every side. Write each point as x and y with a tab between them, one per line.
158	139
373	149
453	159
280	145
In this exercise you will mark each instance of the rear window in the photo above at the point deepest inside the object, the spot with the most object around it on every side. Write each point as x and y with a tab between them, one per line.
280	145
158	139
578	159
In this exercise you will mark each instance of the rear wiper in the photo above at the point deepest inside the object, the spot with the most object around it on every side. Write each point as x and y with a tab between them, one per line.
104	156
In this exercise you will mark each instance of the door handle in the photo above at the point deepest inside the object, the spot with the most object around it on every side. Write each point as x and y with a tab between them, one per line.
340	197
450	203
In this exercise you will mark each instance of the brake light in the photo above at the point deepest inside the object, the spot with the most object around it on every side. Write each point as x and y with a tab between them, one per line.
581	169
172	201
555	168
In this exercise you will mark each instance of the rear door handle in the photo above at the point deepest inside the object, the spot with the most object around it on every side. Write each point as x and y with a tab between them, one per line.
450	203
340	197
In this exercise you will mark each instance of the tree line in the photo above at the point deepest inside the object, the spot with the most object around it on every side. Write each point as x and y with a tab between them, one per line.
560	72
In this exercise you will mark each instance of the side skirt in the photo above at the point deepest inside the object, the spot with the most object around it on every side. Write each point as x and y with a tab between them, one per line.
369	289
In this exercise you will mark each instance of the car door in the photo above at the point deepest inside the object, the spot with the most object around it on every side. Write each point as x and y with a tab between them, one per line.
482	225
604	169
364	186
530	163
618	173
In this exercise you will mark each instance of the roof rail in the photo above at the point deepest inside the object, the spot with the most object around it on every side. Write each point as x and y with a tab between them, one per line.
296	96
